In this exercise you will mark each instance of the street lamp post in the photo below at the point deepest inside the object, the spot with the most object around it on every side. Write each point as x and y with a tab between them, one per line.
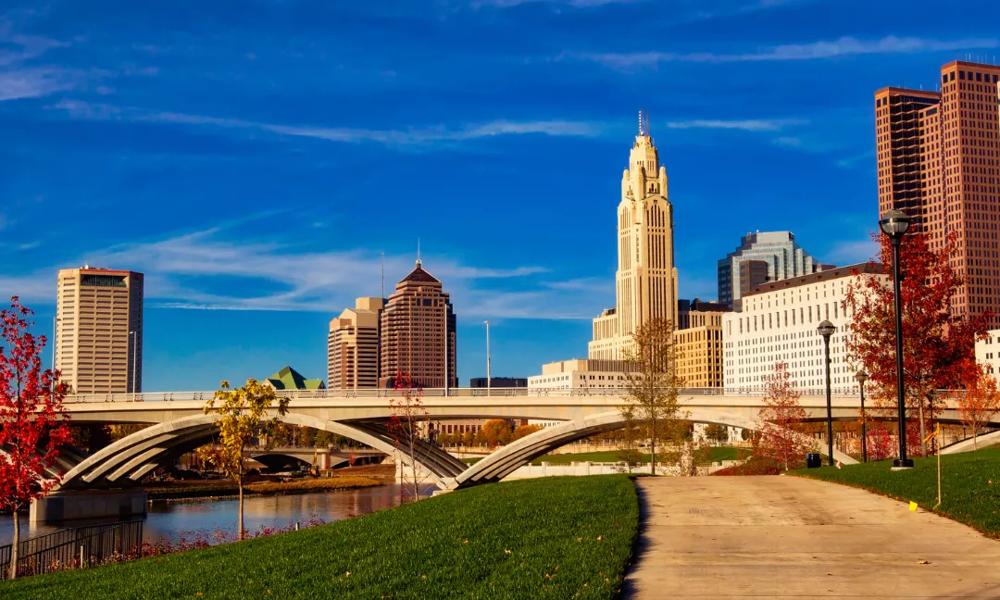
862	377
134	349
894	224
826	330
489	379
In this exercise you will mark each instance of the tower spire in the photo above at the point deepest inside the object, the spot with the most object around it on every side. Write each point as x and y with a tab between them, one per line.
643	122
418	252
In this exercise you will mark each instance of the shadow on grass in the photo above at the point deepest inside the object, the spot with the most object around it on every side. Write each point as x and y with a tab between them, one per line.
640	545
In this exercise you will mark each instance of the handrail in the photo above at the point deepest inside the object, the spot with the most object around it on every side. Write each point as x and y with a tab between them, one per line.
351	394
79	546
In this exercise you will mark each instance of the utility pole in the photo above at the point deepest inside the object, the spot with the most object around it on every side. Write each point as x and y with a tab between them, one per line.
489	379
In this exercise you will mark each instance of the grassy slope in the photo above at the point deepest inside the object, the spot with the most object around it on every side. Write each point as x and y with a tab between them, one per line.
543	538
970	484
716	454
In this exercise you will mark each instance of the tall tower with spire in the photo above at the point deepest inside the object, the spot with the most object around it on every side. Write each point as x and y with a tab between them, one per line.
646	279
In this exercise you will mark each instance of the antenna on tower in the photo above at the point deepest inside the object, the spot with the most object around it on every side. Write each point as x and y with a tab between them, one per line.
418	251
643	122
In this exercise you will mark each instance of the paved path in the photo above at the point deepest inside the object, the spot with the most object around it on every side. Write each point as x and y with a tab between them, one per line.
789	537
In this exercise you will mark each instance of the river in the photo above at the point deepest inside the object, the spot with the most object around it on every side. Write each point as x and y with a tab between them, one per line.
211	519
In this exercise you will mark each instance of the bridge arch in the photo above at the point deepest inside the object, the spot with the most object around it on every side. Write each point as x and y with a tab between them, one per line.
132	457
509	458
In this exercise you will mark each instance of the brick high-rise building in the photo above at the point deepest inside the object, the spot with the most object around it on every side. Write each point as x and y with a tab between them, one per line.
418	333
99	330
352	350
939	161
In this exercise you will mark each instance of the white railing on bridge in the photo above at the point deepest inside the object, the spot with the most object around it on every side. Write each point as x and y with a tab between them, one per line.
341	394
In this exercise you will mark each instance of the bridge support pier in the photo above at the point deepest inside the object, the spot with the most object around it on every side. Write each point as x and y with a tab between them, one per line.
90	504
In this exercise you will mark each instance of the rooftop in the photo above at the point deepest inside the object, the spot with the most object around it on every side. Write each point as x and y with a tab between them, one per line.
792	282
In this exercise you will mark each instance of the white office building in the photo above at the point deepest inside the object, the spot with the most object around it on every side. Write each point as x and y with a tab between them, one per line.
988	352
777	323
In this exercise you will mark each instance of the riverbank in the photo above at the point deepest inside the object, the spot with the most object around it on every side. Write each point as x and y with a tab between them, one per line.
970	483
543	538
344	479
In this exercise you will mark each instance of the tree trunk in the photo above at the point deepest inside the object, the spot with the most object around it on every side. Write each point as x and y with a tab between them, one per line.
923	443
15	542
975	439
239	523
652	447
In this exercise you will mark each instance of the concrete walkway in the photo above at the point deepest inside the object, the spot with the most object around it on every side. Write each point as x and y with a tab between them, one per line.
789	537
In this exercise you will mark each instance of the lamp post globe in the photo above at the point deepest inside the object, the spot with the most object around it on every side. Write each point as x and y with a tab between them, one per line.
827	329
895	224
861	376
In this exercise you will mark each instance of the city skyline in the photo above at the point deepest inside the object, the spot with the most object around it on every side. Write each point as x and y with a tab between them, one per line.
254	223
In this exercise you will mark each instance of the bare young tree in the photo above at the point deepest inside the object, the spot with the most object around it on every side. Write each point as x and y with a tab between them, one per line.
408	422
651	384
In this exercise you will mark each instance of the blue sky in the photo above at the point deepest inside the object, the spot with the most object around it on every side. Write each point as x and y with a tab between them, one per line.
254	159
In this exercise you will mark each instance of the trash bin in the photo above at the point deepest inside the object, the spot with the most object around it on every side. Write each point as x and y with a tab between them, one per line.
813	460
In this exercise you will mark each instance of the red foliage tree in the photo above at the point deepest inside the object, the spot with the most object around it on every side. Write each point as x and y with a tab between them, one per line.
938	350
33	424
781	417
979	403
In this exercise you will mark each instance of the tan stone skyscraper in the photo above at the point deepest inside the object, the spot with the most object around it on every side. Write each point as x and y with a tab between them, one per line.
99	330
353	346
418	333
939	160
646	280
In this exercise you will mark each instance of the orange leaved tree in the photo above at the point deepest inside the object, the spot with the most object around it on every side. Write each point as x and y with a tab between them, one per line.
979	403
779	435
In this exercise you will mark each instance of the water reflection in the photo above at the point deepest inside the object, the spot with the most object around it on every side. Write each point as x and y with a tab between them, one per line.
189	519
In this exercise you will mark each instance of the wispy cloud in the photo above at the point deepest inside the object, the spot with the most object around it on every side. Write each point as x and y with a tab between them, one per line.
212	270
19	80
417	136
853	251
737	124
823	49
34	83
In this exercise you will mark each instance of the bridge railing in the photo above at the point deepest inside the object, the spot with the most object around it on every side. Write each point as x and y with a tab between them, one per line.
341	394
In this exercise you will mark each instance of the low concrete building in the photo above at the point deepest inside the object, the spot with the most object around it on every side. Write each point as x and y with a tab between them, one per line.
579	374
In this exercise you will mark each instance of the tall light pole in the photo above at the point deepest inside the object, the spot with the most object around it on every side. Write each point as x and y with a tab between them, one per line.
826	330
862	377
134	344
894	224
489	378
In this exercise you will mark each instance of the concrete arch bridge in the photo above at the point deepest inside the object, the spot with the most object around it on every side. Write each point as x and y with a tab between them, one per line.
178	425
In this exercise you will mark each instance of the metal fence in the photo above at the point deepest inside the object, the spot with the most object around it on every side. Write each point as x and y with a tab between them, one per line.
74	548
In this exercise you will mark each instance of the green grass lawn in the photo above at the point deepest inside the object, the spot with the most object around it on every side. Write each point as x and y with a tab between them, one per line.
970	484
715	454
559	537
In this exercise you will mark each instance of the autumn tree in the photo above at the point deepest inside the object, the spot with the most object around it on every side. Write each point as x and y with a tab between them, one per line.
781	417
408	420
244	415
938	350
979	403
495	432
651	384
33	423
717	433
524	430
